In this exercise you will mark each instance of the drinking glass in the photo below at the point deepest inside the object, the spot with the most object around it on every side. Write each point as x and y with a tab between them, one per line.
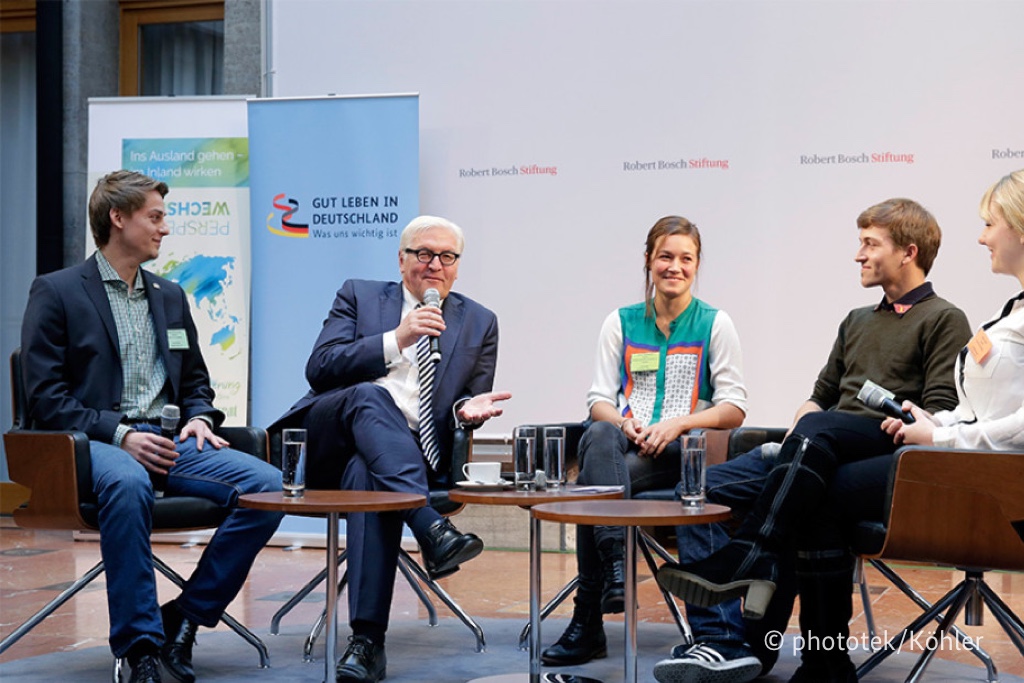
692	454
525	456
293	462
554	456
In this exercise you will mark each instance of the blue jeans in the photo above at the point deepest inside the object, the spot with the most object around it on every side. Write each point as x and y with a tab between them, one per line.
736	483
125	496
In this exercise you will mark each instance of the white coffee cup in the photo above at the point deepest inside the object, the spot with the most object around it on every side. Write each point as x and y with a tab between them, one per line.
482	472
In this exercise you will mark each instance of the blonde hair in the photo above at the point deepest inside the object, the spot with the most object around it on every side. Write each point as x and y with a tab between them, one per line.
1008	195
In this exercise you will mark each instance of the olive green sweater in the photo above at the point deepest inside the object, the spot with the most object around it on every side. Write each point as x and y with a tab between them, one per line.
912	355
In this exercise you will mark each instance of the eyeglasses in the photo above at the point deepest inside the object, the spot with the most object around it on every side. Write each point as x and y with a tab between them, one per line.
447	258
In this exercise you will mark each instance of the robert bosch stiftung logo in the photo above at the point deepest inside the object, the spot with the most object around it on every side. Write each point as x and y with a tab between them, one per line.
286	227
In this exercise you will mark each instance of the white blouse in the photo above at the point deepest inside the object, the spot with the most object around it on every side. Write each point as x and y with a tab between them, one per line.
990	414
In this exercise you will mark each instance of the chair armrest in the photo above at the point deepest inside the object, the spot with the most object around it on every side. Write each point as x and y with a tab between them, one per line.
743	439
462	449
56	468
251	440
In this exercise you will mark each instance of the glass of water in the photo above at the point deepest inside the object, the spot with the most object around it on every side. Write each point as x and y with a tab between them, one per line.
525	457
293	462
692	455
554	456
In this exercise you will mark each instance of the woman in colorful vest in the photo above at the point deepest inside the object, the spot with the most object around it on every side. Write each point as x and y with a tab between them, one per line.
664	366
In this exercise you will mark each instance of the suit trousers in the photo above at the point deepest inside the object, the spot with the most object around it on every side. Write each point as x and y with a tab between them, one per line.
125	496
361	432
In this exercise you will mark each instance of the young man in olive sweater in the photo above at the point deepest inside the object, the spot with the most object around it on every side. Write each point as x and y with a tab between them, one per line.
907	343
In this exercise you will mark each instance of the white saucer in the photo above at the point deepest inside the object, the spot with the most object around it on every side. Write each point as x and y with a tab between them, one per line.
481	486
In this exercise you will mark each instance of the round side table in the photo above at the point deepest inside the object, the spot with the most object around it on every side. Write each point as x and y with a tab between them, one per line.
629	514
332	504
528	499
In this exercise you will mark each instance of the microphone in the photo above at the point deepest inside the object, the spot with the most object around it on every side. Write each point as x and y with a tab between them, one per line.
169	418
432	297
874	396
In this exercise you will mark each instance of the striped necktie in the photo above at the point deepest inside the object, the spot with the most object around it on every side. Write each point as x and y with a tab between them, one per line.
428	435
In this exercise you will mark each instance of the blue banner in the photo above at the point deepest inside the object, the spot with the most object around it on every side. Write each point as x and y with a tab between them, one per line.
332	183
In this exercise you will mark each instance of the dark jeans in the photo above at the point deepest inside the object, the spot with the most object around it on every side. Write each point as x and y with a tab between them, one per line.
607	458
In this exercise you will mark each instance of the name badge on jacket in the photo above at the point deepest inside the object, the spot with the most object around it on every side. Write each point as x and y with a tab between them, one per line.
177	340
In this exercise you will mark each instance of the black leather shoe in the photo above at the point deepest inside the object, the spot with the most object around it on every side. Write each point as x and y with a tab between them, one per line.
179	637
445	548
145	670
363	662
582	641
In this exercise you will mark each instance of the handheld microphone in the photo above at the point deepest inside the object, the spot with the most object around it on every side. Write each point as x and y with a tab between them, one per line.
432	297
874	396
169	418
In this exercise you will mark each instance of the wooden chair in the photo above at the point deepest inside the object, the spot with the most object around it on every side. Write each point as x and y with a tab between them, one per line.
413	571
56	467
957	508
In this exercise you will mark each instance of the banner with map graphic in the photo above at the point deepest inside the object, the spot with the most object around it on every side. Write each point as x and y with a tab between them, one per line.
199	147
334	181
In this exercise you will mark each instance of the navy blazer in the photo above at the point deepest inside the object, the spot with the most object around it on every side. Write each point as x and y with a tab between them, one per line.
71	359
350	350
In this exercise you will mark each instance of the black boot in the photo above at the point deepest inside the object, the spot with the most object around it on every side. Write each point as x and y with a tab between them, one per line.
825	578
613	570
582	640
747	564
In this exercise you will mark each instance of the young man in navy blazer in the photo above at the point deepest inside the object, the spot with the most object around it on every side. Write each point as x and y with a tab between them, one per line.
105	346
364	420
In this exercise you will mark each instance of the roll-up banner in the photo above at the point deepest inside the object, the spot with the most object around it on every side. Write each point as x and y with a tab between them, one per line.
199	147
333	182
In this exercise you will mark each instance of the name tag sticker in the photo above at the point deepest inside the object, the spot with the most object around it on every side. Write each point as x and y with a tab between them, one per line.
644	362
177	340
980	346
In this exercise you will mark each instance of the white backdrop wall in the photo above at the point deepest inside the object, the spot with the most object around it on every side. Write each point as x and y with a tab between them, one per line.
557	132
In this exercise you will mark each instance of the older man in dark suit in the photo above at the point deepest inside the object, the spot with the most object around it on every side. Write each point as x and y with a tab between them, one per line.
381	413
105	346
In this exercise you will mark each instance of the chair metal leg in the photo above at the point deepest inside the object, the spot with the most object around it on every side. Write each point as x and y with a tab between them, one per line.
932	644
1010	622
318	626
51	606
928	608
405	559
119	668
230	621
861	579
934	612
275	621
646	543
410	578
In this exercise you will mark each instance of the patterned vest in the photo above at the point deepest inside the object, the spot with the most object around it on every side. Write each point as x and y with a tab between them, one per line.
665	378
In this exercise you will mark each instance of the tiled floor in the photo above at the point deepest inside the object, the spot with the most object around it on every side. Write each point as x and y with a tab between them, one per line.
35	565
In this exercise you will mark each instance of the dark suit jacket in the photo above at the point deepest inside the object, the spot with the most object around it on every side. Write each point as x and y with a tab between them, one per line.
350	350
70	356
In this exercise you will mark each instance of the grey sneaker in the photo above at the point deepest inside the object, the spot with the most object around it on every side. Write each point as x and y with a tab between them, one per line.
702	663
